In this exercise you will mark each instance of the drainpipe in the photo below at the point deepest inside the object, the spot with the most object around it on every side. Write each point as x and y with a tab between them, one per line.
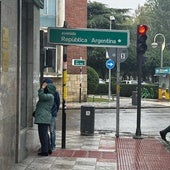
19	19
60	20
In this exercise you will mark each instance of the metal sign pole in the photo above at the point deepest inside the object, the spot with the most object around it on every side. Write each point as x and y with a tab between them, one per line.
64	94
117	93
80	82
110	65
109	90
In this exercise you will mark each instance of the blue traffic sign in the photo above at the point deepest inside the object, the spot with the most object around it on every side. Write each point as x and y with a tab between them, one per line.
110	64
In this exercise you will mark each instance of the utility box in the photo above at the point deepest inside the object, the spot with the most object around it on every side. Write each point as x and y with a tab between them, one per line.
87	120
134	97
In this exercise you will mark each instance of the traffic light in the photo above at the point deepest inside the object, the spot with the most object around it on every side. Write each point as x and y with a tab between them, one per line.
141	39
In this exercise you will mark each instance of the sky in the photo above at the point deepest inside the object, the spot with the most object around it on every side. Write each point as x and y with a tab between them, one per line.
133	4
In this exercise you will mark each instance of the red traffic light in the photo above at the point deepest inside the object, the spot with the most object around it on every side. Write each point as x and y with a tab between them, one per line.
141	39
142	29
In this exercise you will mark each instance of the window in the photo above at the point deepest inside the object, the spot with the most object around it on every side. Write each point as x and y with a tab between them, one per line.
48	14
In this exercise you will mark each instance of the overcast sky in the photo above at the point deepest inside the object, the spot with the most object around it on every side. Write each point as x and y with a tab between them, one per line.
122	3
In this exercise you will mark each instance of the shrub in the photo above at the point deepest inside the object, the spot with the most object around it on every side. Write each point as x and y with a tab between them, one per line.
126	89
147	91
102	89
92	80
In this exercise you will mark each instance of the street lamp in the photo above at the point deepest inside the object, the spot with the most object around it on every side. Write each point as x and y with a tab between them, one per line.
155	44
112	18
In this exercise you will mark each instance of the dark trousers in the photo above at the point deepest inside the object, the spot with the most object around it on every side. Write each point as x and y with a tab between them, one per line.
44	137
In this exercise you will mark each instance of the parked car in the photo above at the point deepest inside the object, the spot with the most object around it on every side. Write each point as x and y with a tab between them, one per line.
101	81
129	82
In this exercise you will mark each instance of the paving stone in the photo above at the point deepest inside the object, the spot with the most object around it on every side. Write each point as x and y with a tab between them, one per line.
101	152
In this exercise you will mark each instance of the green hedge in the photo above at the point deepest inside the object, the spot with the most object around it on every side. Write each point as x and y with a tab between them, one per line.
147	91
102	89
92	80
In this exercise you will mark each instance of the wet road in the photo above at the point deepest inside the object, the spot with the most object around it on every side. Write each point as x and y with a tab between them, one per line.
152	120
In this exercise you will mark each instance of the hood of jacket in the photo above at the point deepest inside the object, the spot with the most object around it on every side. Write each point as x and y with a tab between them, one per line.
51	88
48	80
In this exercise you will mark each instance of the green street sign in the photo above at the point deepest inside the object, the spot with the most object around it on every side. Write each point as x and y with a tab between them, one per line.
163	70
78	62
88	37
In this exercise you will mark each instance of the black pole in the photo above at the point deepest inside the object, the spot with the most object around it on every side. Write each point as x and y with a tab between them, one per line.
139	71
141	48
42	53
64	93
138	128
80	84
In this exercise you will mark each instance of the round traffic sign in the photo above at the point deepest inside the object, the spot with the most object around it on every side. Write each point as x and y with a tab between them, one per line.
110	64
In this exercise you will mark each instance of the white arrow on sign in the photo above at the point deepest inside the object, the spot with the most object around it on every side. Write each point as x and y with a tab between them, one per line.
110	64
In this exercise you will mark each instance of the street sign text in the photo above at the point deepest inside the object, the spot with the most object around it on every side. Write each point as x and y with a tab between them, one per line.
88	37
78	62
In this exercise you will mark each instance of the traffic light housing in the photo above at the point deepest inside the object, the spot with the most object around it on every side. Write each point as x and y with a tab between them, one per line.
141	39
140	49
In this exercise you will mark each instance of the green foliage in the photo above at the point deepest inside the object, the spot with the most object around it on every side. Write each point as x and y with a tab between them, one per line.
99	17
102	89
92	80
126	89
155	14
147	91
97	60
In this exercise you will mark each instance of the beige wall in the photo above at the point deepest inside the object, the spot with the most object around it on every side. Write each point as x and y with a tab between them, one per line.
73	88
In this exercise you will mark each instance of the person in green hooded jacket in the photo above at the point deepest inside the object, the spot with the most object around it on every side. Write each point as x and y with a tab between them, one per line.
43	116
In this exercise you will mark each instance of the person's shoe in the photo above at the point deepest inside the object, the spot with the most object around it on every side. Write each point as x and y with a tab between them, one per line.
43	154
163	136
53	148
50	151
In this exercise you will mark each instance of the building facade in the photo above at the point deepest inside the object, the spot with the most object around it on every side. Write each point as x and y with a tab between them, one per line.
19	77
20	70
76	17
74	12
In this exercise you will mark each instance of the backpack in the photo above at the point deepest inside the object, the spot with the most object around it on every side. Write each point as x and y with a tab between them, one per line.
56	104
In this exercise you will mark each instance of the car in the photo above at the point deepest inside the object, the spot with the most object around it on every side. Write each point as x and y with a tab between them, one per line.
101	81
129	82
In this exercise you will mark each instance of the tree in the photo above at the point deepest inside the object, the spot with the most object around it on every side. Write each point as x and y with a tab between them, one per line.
99	17
97	60
92	80
155	14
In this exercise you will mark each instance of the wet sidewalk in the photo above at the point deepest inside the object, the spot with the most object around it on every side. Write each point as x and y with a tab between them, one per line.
124	102
103	151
